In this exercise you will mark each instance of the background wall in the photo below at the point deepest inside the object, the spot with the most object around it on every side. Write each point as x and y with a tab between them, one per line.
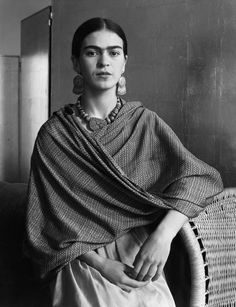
9	130
11	14
182	64
34	83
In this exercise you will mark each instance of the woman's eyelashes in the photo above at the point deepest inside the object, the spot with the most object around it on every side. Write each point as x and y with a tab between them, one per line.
94	53
91	53
114	53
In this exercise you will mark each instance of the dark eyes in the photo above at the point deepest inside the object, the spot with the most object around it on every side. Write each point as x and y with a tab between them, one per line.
93	53
114	53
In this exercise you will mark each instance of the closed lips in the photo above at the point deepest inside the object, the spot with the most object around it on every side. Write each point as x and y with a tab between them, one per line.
103	73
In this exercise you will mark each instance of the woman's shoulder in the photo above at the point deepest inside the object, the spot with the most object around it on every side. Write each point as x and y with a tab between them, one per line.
53	123
149	113
151	119
138	105
50	122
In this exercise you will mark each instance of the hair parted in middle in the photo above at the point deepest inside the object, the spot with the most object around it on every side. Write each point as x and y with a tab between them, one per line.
93	25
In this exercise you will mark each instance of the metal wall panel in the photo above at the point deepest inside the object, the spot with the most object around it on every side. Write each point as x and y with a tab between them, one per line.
9	89
34	105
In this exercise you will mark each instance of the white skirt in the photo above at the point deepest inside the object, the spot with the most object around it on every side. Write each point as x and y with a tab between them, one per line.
80	285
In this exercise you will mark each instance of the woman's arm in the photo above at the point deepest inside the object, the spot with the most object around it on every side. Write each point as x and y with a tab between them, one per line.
150	260
115	271
152	256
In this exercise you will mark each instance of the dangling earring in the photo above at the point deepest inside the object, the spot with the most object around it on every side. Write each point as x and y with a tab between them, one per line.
78	83
121	86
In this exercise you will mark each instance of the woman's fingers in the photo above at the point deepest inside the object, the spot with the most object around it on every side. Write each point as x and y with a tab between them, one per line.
143	271
130	282
137	267
158	272
148	272
151	272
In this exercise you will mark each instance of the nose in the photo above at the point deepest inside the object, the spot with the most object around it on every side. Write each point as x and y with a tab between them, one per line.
103	60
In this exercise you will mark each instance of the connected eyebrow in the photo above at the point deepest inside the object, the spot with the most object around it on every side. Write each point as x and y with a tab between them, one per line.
103	49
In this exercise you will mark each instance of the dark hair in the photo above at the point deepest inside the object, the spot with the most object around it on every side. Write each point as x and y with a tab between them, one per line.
93	25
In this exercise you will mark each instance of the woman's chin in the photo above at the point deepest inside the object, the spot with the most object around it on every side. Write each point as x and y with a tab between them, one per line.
101	87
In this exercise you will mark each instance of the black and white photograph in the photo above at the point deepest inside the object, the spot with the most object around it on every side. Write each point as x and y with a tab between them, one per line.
117	153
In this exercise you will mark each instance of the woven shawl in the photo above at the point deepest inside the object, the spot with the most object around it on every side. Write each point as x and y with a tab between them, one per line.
87	189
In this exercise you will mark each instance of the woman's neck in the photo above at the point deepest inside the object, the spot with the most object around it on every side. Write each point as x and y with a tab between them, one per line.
99	105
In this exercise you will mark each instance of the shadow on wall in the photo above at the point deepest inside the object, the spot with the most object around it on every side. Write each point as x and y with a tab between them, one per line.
210	109
195	79
186	73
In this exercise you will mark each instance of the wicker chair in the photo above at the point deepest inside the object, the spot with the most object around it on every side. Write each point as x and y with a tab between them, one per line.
205	250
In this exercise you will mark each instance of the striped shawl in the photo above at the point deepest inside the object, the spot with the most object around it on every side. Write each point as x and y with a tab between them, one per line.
87	189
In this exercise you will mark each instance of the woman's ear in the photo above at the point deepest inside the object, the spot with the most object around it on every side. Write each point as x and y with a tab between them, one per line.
126	59
76	65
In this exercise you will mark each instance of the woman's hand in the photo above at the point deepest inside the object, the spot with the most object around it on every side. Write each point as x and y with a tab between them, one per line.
114	271
118	274
152	256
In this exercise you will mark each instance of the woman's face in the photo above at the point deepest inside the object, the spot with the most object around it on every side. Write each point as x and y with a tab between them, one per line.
101	60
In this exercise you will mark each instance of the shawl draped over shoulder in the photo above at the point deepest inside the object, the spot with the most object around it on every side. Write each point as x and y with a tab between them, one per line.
87	189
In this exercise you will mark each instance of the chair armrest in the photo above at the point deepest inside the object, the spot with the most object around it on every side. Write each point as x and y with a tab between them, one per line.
211	243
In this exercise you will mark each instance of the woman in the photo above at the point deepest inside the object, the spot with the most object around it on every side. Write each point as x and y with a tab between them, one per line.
110	186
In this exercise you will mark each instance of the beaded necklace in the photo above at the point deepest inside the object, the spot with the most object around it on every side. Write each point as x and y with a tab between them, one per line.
95	123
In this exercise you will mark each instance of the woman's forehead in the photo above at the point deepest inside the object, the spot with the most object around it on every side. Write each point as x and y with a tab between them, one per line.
102	39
